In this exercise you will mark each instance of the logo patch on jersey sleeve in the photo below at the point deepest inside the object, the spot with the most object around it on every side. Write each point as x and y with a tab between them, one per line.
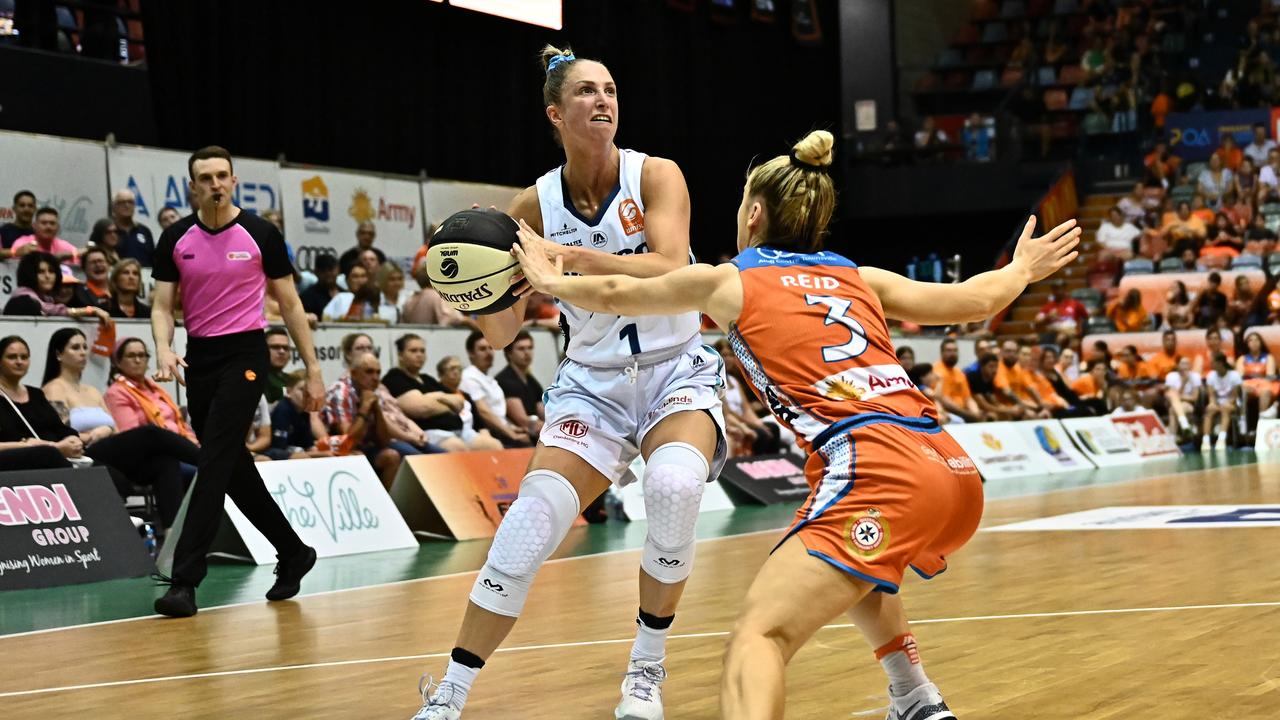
630	216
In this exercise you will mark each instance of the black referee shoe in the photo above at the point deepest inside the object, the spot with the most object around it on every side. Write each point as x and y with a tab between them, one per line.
179	601
289	574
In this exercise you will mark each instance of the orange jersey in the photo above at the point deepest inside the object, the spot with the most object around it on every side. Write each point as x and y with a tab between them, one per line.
1255	367
815	346
1161	364
952	384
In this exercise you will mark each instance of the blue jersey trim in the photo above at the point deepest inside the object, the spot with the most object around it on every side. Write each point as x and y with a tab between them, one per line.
881	585
918	424
848	487
604	206
768	257
925	575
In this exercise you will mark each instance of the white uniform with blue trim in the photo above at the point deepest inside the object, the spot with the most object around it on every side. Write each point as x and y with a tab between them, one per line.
623	374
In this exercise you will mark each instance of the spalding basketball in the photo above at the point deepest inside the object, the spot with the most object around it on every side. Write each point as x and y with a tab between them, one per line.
470	262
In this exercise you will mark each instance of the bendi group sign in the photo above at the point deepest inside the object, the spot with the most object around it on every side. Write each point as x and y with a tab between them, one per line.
59	527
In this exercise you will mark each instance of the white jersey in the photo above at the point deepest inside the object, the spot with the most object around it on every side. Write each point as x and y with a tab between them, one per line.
596	338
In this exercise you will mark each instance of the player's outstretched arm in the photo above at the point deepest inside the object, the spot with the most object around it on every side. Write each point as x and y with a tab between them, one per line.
714	290
981	296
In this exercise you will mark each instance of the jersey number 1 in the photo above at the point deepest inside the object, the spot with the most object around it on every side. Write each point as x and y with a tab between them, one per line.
837	313
630	334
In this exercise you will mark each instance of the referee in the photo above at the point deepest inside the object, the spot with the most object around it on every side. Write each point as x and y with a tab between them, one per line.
224	259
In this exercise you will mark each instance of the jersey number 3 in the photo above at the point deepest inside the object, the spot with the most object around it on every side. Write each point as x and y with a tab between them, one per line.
838	314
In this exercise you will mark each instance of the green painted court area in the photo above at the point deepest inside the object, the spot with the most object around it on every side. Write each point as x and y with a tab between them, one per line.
230	582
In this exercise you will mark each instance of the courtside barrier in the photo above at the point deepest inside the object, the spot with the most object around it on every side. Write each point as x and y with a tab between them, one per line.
337	505
59	527
461	495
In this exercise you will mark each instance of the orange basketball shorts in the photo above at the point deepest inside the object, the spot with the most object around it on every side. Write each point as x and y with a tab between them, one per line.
888	495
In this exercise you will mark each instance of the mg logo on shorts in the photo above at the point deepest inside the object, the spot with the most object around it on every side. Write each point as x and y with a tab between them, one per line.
573	428
449	268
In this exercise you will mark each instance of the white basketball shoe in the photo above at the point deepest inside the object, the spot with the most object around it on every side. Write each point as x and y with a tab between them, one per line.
437	705
923	703
641	691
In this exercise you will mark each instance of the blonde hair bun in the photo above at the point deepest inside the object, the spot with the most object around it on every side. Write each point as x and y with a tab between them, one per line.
816	148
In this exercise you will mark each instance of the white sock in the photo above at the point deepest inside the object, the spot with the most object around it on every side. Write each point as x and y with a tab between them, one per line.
901	662
1222	437
1182	420
651	643
460	677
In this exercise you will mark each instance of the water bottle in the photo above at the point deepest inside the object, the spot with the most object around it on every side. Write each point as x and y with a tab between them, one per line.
911	267
149	539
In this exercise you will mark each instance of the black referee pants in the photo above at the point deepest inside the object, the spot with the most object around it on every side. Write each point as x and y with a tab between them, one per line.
226	375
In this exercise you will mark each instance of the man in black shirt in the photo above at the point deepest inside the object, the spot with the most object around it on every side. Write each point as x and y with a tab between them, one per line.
316	297
135	240
365	234
24	211
991	399
1210	304
521	388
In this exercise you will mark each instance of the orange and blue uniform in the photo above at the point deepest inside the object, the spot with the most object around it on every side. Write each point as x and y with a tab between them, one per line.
889	489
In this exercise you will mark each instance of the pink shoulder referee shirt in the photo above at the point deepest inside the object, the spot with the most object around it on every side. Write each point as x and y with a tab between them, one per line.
222	273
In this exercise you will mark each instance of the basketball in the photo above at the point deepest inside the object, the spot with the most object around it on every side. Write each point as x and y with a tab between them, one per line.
470	262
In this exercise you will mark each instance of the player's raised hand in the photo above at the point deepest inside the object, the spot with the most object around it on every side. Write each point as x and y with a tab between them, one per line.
1040	257
536	267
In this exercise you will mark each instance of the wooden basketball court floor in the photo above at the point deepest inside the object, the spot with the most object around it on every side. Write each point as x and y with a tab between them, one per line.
1131	624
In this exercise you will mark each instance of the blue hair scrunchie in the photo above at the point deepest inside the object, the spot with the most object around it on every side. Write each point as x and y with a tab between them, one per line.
559	60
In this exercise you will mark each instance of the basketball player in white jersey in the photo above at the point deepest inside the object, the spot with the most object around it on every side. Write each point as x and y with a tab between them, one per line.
630	385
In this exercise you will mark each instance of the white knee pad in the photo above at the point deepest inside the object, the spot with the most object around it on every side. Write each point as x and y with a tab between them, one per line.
533	527
674	479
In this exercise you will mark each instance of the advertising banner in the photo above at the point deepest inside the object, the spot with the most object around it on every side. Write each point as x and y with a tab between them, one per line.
59	527
1148	435
1194	136
337	505
766	479
68	175
1058	454
1268	437
159	179
324	207
1102	442
442	198
998	449
462	495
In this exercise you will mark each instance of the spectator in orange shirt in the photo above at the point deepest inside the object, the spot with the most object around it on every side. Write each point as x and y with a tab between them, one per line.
1203	361
1165	361
1017	382
1200	209
1129	315
1038	383
1095	385
1230	153
1128	365
1160	157
952	390
1183	226
991	398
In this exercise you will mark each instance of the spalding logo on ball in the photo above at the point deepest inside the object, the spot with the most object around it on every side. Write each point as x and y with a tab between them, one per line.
470	263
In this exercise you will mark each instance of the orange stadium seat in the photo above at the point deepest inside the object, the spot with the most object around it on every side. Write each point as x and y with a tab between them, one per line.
1154	287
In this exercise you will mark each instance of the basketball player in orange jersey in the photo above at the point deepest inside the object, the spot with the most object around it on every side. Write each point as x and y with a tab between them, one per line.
629	386
889	488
